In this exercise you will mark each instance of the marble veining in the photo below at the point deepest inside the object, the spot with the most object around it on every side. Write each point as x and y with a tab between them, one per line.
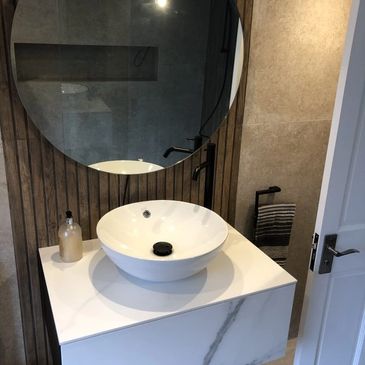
243	331
231	317
274	353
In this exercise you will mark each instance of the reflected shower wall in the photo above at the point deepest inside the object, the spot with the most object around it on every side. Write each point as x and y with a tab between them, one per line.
55	62
109	78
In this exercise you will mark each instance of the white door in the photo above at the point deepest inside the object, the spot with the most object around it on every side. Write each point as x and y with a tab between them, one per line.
333	321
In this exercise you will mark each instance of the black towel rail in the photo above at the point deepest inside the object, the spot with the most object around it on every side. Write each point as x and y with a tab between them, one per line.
270	190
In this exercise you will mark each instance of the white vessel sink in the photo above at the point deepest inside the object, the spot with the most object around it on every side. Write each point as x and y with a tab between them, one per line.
129	233
126	167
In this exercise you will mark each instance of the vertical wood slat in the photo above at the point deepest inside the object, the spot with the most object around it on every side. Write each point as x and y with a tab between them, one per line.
83	189
152	186
178	181
72	199
194	185
227	169
133	188
114	201
43	183
49	190
94	212
169	183
104	193
186	180
61	186
142	187
201	178
124	189
161	184
219	166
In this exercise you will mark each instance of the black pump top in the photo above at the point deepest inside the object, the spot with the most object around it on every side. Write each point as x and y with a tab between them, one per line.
162	249
68	214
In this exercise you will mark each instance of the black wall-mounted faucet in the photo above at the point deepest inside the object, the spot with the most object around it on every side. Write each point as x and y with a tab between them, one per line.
198	140
208	165
177	149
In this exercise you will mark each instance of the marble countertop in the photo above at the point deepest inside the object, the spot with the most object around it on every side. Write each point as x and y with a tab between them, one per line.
92	296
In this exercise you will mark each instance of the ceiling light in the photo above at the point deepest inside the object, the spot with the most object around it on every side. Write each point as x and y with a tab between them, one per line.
161	3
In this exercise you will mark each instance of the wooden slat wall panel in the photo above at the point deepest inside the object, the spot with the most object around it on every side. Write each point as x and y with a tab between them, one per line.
43	183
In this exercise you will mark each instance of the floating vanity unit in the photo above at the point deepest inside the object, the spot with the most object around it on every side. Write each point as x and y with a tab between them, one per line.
234	312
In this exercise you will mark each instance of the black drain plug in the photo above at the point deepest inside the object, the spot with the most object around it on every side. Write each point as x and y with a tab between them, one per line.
162	248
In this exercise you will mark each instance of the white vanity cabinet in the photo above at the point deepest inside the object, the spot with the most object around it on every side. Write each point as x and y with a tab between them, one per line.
235	312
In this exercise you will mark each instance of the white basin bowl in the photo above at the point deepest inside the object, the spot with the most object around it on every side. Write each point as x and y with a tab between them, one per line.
128	235
126	167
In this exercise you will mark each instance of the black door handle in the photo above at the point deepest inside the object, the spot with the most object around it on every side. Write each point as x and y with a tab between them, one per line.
329	252
343	253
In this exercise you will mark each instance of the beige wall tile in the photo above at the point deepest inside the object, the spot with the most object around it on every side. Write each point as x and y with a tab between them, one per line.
11	334
295	55
290	155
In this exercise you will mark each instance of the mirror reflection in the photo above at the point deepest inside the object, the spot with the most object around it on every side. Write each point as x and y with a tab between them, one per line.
147	81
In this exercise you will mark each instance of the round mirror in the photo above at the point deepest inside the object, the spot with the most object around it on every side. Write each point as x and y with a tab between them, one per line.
127	86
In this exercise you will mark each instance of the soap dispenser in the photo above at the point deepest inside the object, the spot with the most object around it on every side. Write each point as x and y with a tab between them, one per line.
70	239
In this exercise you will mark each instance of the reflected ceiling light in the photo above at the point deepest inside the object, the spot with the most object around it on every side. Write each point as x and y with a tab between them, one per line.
161	3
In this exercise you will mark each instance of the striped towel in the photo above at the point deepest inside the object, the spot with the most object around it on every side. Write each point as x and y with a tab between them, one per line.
273	228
